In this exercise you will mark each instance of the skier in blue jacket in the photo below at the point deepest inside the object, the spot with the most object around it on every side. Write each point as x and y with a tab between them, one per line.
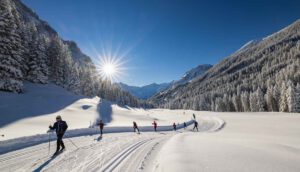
60	128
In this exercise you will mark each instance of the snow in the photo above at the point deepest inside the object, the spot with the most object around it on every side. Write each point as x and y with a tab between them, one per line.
232	141
248	142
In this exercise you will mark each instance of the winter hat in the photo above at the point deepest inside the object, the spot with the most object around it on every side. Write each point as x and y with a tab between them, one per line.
58	117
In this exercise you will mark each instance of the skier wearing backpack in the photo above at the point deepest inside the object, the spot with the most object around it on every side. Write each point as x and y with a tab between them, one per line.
154	125
195	125
174	126
60	128
135	127
101	126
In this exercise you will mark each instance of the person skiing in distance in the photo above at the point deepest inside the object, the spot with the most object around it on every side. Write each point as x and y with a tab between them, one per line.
195	125
101	126
184	125
174	126
194	116
60	128
135	127
154	125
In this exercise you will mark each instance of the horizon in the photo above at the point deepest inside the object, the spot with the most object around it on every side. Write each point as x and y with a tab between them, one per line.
157	42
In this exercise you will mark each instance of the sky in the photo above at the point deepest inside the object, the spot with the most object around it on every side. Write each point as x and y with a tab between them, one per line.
159	40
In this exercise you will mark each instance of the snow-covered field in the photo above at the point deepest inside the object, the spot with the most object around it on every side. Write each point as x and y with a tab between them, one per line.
225	141
32	112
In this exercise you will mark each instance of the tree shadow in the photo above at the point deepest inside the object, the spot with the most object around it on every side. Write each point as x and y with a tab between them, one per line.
37	100
105	110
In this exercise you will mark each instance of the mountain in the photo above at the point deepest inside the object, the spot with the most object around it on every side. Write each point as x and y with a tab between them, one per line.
144	92
263	75
30	50
192	74
147	91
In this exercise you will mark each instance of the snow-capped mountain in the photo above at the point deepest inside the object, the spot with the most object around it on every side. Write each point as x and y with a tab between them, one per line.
147	91
144	92
263	75
192	74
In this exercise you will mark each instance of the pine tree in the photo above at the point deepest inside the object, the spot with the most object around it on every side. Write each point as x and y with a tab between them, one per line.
253	102
283	105
291	97
10	52
260	100
245	102
297	98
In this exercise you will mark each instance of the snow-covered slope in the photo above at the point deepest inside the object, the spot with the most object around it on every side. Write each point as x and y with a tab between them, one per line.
192	74
144	92
32	112
263	142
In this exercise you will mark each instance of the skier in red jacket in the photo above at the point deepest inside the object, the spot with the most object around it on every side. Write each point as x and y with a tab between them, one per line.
174	126
154	125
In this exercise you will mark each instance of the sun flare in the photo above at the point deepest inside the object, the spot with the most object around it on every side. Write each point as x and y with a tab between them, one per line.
110	68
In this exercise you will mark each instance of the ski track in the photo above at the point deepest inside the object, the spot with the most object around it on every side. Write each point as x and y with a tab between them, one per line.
114	152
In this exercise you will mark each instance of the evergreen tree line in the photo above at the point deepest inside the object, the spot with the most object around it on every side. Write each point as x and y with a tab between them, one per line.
30	50
262	77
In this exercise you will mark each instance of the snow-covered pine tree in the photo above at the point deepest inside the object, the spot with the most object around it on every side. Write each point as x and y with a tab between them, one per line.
245	102
297	98
253	99
260	100
276	96
10	52
73	80
283	105
37	59
291	97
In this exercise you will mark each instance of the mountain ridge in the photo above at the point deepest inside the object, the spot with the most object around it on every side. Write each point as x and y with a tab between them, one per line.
262	77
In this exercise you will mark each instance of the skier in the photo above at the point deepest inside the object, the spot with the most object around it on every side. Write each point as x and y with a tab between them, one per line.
135	127
194	116
154	125
195	125
174	126
184	125
101	126
60	127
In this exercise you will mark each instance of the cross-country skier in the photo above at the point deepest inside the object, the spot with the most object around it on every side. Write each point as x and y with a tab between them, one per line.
194	116
174	126
60	128
184	125
195	125
154	125
135	127
101	126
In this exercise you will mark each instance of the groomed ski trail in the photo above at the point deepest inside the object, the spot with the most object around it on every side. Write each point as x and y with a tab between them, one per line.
114	152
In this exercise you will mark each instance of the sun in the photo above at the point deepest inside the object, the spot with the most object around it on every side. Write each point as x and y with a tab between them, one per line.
110	68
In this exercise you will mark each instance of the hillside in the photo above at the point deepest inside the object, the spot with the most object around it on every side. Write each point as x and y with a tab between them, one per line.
147	91
144	92
261	76
31	50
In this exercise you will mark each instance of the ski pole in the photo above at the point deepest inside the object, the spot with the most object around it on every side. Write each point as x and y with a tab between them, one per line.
49	134
72	143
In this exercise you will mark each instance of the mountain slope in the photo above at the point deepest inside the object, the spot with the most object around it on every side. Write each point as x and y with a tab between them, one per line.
192	74
144	92
30	50
262	77
147	91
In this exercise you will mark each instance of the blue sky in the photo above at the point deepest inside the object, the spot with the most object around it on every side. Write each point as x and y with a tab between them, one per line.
159	40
